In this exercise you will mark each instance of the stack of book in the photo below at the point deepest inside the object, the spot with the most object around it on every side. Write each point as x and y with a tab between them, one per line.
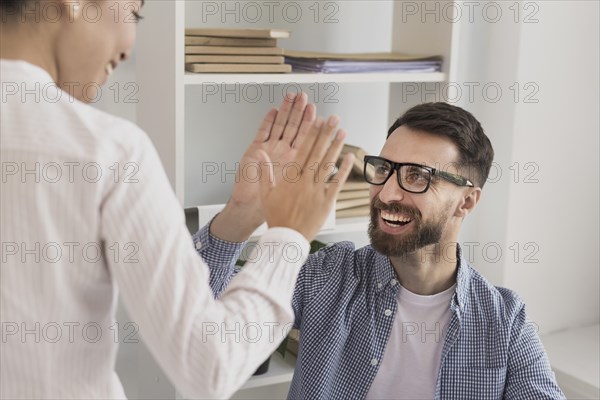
353	200
293	342
235	51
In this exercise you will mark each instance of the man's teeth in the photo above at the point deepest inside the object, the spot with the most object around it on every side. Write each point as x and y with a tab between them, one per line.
394	217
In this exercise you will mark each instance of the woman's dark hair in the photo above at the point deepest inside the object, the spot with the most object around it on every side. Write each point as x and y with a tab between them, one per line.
10	6
475	149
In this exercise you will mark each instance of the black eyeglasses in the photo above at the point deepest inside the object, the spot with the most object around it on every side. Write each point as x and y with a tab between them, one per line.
414	178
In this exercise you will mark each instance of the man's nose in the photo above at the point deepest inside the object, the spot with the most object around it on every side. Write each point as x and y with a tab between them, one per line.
391	191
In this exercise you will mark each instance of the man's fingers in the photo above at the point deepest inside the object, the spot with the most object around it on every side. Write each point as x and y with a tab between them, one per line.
265	127
282	116
295	118
305	142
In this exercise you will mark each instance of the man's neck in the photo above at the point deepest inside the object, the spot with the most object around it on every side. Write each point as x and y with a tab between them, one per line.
429	270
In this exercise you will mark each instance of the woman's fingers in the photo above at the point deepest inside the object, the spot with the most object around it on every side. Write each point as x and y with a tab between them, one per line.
322	143
310	115
336	184
305	142
328	162
303	204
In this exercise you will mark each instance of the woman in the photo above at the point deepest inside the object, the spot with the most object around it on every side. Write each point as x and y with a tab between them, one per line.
87	210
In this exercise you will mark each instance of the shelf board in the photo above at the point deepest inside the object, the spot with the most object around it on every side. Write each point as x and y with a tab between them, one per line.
573	355
307	77
281	370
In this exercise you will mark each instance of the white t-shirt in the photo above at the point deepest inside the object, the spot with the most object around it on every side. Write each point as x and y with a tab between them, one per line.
87	209
411	362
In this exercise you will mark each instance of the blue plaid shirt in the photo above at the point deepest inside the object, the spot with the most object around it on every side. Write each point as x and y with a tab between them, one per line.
490	351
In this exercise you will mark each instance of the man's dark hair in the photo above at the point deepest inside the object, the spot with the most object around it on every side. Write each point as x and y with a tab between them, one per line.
475	149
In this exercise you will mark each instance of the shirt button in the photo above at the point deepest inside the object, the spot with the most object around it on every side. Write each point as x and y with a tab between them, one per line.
379	286
387	313
393	282
198	245
374	361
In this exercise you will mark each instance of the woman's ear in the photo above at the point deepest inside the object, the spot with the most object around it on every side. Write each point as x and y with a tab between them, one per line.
468	202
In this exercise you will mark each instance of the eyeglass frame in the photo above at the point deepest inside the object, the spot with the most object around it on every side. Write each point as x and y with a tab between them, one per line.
452	178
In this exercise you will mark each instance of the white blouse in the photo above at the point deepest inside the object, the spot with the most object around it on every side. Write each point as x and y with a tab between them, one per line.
86	209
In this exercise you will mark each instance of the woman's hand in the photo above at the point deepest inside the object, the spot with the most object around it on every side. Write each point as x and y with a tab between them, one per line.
303	200
275	137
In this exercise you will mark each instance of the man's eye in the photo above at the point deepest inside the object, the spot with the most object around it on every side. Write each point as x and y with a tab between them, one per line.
382	170
416	176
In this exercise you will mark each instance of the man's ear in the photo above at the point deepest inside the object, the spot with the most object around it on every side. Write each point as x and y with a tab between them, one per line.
468	202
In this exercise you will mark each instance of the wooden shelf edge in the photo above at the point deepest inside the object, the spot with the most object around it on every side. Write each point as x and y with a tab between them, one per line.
191	79
342	225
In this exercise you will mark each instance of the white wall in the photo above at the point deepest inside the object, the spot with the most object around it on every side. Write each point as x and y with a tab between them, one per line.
547	231
560	134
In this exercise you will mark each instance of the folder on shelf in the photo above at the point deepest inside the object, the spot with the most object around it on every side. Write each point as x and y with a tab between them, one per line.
234	50
233	41
381	56
233	59
361	62
245	33
238	68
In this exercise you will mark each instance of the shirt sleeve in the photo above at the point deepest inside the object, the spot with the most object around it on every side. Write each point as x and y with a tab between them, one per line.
328	263
529	375
220	256
207	347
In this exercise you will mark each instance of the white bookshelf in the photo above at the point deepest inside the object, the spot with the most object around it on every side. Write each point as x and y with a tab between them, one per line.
168	100
281	370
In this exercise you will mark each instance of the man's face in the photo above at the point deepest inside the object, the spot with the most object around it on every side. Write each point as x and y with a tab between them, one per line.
402	222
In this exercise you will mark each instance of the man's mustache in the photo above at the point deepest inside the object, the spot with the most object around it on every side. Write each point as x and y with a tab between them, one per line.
399	208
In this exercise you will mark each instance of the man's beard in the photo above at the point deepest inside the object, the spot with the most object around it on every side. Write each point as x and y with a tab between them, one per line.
423	234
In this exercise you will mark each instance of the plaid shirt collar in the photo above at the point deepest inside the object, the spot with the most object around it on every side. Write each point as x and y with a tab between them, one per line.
384	273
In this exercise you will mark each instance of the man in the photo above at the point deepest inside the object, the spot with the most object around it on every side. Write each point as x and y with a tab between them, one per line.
407	317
